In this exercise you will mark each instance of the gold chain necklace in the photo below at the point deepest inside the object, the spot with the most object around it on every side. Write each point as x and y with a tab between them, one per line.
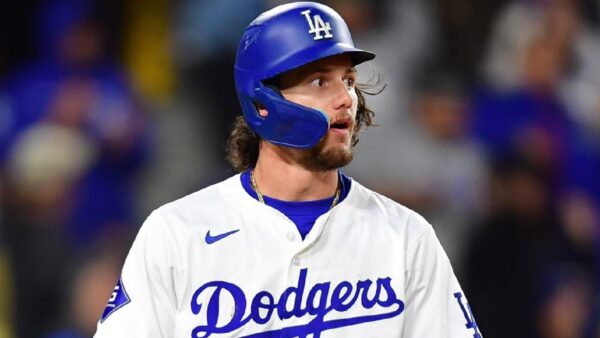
262	200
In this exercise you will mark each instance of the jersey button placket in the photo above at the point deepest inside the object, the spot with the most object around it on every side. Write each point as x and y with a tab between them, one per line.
294	263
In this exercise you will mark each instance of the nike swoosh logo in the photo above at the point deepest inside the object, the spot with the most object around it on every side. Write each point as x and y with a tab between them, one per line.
212	239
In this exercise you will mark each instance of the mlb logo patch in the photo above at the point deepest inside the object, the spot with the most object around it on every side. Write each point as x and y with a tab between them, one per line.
118	299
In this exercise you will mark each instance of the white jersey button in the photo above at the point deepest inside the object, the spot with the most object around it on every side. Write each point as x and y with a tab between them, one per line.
291	236
296	261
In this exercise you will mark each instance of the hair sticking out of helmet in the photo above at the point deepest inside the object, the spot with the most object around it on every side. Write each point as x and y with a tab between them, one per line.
279	40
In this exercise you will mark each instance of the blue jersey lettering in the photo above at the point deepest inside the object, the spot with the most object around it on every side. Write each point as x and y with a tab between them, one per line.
466	310
322	298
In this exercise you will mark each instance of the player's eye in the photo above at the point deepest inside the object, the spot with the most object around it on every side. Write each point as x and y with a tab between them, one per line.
350	82
318	82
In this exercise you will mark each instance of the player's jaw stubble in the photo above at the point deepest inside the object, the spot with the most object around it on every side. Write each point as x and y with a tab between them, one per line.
323	156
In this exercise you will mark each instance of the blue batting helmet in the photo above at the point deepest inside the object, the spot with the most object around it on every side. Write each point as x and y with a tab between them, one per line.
281	39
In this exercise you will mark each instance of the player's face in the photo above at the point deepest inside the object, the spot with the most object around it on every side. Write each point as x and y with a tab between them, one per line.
329	86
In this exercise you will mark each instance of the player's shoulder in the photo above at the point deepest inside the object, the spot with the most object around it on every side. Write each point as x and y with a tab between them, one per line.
397	215
213	201
372	199
214	193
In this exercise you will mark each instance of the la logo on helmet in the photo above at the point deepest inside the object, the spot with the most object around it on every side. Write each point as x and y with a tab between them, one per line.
317	26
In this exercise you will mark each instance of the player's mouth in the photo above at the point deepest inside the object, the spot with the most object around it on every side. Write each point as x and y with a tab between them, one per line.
341	125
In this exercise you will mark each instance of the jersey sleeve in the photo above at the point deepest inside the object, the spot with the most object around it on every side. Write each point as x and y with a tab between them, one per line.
435	304
143	302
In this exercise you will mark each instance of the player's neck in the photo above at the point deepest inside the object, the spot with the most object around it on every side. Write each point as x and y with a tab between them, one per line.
282	179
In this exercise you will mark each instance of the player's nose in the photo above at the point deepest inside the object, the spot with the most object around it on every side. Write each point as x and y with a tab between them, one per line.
342	98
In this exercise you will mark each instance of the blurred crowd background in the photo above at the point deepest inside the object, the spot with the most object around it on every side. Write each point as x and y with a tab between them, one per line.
489	126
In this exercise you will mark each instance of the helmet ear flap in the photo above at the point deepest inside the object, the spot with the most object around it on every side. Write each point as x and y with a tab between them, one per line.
288	123
275	90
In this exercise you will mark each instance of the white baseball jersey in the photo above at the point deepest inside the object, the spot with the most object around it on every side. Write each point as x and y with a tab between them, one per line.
218	263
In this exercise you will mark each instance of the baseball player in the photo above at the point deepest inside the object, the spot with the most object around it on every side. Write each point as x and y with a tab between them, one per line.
290	247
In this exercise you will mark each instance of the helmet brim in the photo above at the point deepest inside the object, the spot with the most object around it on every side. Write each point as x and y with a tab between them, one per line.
316	53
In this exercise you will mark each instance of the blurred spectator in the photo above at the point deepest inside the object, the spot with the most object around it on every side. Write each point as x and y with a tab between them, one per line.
206	35
463	27
73	84
401	34
75	142
580	87
508	251
530	119
564	310
46	163
580	94
560	23
525	110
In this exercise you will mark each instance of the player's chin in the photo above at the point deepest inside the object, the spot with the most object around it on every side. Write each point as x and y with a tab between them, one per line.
331	153
338	149
342	155
333	157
